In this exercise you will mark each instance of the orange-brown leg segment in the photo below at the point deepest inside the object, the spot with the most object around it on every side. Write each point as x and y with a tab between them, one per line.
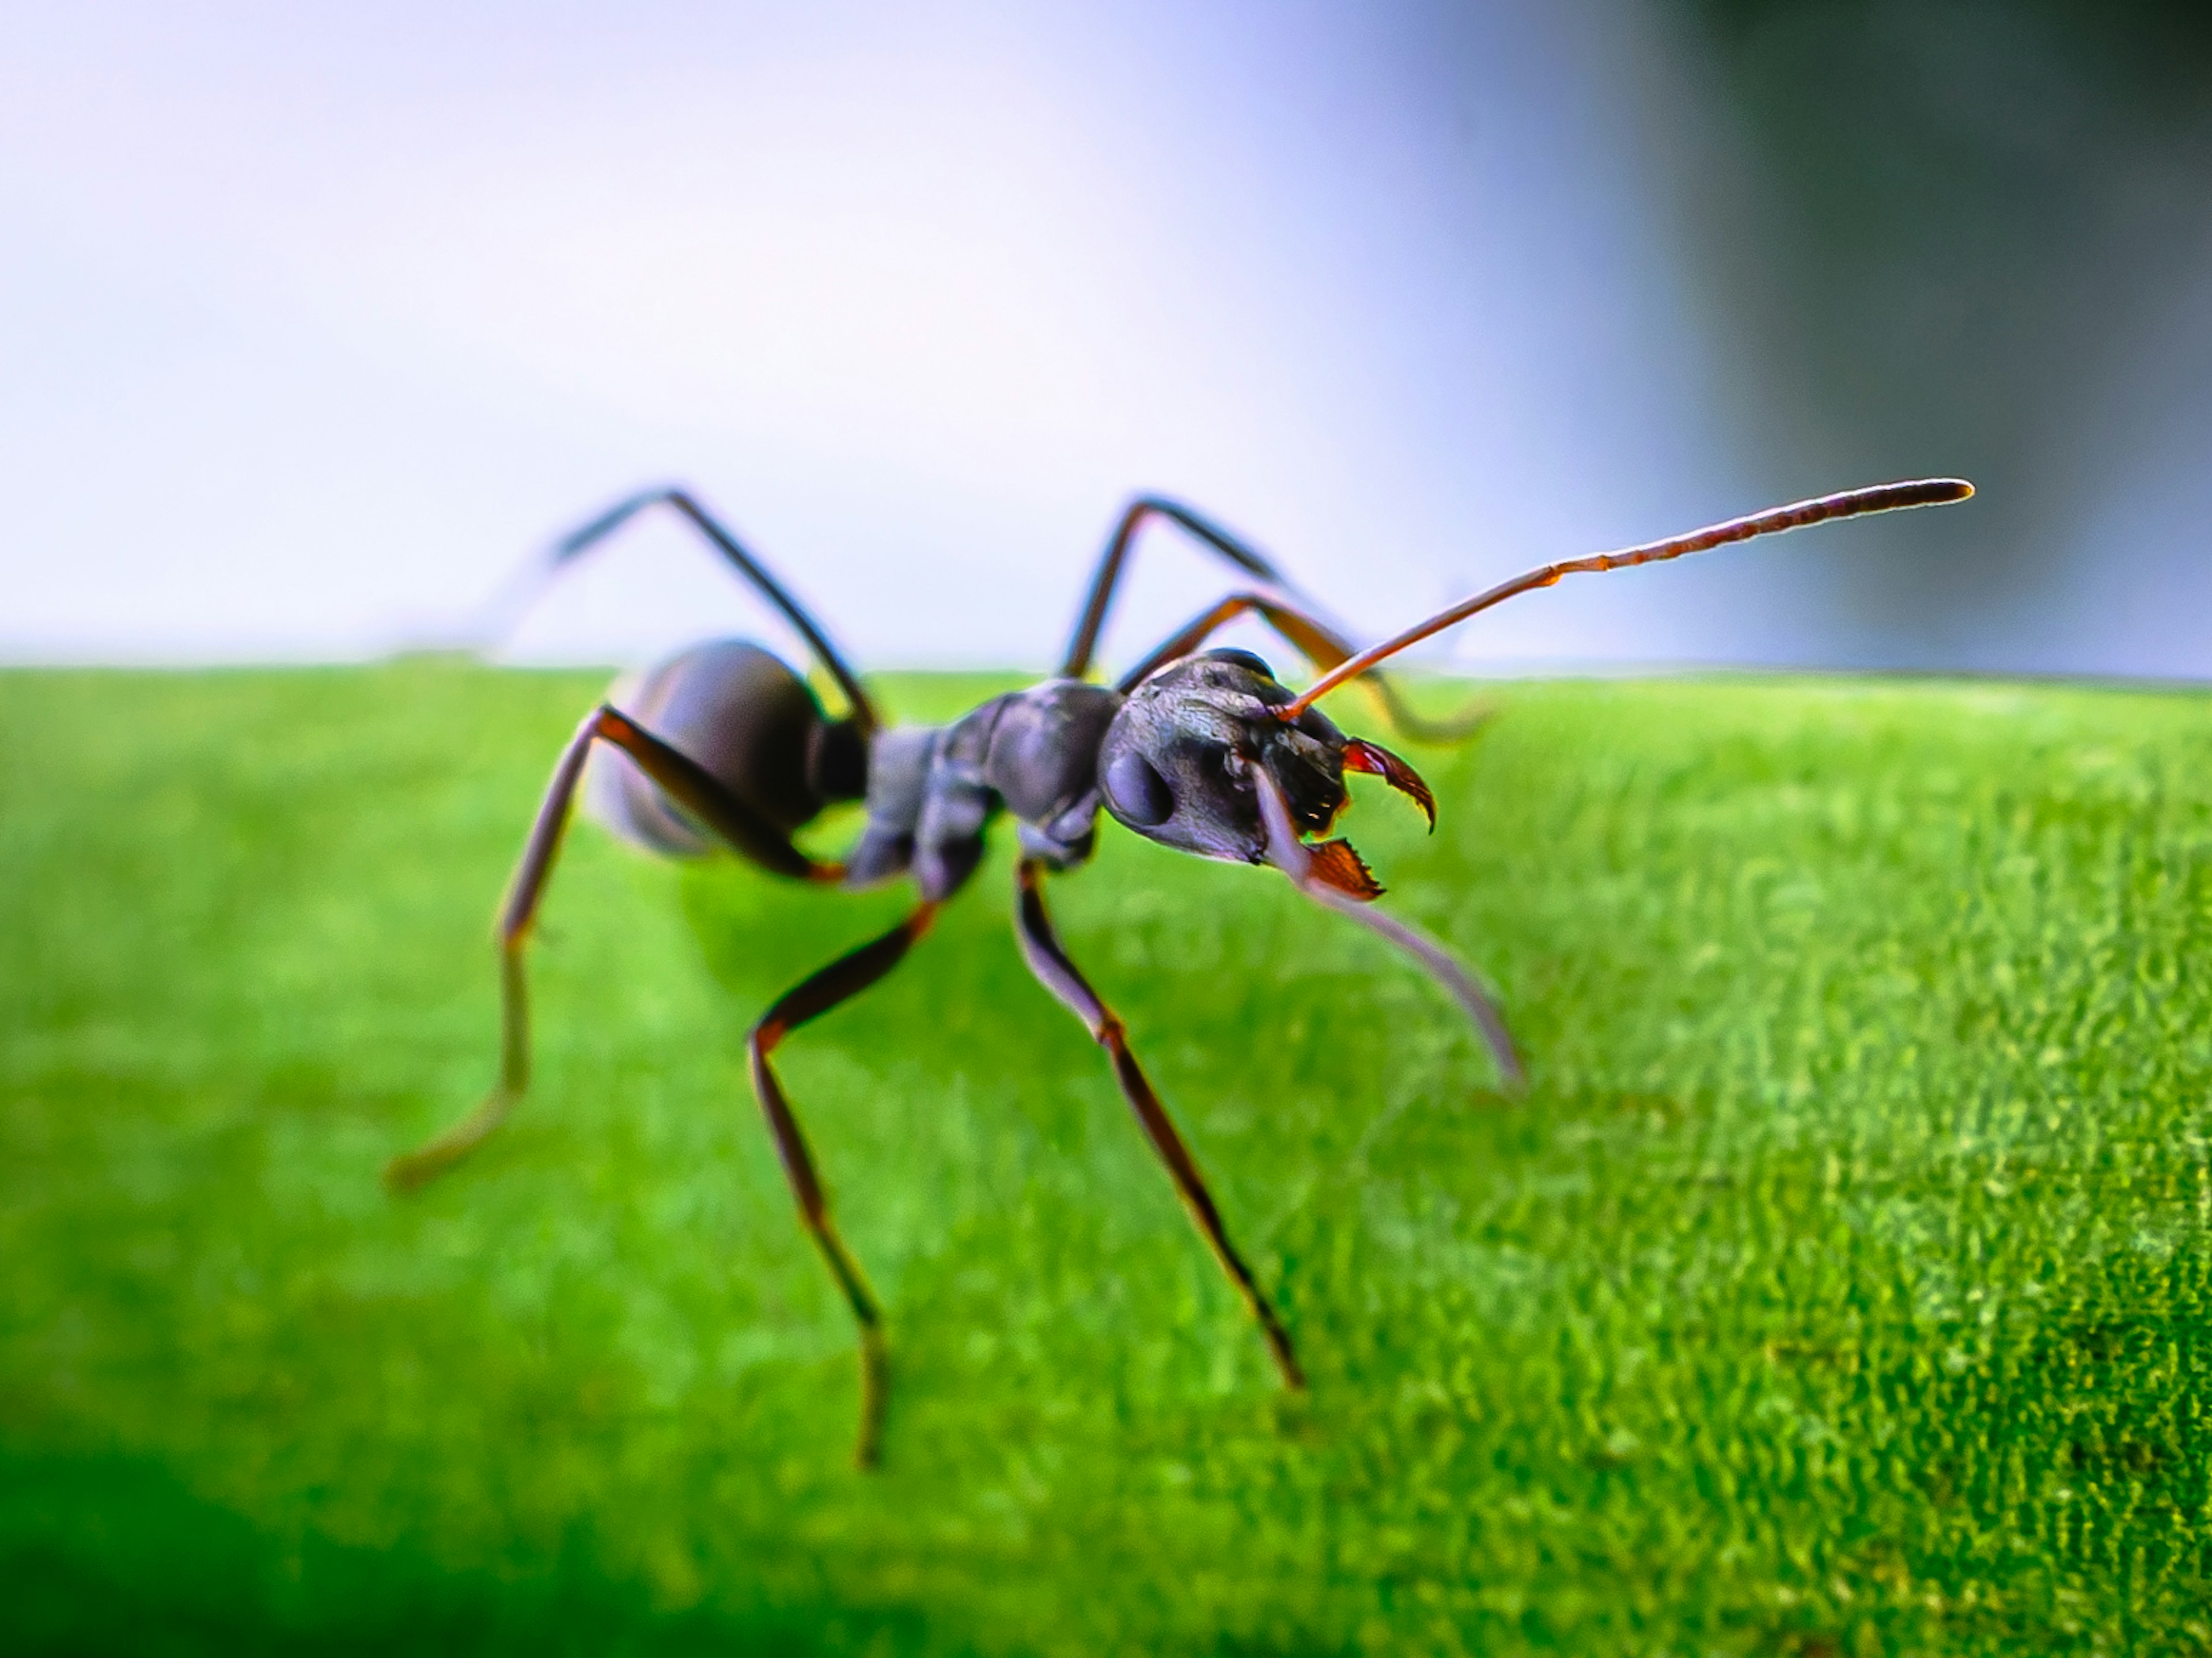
686	782
1041	947
843	980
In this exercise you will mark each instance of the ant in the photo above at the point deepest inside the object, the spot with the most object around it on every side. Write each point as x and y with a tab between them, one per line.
1204	750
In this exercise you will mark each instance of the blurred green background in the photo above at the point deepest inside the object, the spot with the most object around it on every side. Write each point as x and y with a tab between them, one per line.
1840	1285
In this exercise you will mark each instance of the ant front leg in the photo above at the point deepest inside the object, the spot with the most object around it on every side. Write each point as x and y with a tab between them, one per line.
687	782
1041	947
843	980
1288	853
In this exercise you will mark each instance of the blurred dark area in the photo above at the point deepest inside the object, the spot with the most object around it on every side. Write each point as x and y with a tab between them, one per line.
1974	238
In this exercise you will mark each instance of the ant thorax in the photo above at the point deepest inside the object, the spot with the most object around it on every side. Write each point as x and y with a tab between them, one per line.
934	789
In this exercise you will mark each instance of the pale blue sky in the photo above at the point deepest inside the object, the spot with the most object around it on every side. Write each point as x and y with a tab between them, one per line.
315	320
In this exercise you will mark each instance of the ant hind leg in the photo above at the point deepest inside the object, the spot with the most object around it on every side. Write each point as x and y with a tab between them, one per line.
695	788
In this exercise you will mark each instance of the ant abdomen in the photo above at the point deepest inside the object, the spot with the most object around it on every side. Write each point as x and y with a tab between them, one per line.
746	717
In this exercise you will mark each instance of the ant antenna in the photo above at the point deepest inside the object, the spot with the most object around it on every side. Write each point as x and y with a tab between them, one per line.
1852	503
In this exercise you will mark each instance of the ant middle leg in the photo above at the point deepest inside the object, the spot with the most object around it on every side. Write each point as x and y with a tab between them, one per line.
692	786
1282	607
1321	646
1049	961
1244	556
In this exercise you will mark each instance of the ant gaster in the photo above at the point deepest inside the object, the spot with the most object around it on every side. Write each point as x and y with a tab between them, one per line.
1203	751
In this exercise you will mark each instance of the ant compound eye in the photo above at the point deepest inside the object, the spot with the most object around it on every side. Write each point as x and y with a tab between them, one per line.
1137	794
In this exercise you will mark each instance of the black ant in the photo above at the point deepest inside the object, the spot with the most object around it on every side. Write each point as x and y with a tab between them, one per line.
1199	750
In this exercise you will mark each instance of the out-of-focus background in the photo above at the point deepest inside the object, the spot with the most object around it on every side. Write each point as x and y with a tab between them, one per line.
313	321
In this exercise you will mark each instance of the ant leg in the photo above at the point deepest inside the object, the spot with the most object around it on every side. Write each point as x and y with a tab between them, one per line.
1248	558
1320	644
685	780
1286	610
509	604
1041	949
1297	860
843	980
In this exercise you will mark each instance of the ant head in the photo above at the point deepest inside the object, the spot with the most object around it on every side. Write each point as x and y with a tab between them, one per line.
1178	761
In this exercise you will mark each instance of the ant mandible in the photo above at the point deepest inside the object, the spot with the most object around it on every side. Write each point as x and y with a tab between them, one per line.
1199	750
